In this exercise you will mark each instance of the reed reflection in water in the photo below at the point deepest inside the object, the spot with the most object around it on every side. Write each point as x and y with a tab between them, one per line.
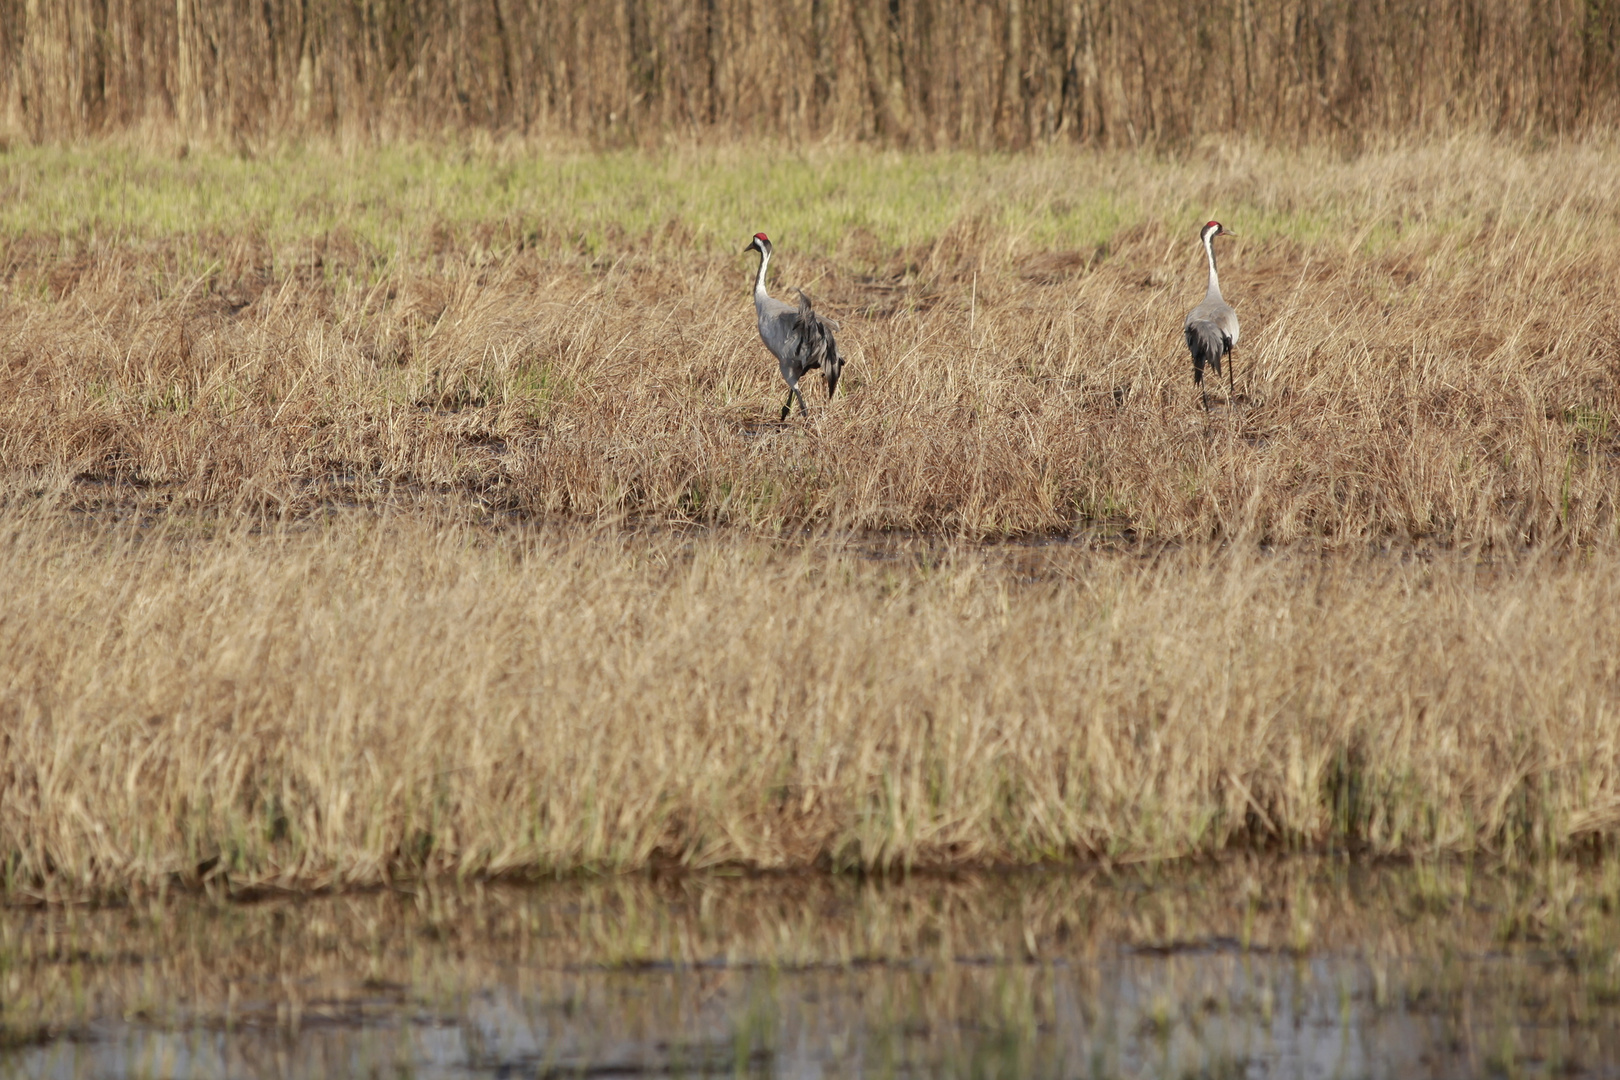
1291	968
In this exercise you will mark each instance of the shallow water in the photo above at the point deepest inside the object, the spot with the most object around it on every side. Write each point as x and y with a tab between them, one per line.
1298	968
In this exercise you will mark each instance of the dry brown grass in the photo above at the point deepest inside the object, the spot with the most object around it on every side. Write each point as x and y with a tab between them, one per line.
1429	353
387	698
373	611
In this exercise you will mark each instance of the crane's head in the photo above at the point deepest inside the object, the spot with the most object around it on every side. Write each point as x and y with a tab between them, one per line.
1212	229
760	243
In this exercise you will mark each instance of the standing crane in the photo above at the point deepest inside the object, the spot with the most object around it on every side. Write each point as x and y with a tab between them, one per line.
1212	327
800	339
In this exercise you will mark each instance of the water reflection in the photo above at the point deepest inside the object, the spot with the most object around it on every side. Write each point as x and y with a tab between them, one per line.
1303	968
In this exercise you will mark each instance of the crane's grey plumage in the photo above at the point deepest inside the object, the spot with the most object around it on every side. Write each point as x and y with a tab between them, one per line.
1212	326
800	339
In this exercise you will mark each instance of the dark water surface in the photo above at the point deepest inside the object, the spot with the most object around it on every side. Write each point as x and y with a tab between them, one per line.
1289	968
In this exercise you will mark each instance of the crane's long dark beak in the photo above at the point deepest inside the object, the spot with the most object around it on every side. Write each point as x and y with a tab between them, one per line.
750	247
1227	232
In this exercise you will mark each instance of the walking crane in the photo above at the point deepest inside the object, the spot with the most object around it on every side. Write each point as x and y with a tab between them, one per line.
800	339
1212	326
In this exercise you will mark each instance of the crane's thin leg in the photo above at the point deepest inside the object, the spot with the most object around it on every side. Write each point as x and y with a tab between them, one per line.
787	407
1198	378
803	411
1231	381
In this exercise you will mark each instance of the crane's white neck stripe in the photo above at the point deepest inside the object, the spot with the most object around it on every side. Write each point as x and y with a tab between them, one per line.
1209	249
759	281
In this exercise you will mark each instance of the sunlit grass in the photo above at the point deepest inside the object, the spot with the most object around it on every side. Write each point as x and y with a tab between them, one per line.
384	196
415	696
390	197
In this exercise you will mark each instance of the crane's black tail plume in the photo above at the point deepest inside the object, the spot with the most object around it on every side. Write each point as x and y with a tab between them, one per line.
1208	346
816	344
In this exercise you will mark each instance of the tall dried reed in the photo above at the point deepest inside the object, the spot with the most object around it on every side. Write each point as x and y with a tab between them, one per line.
388	698
975	73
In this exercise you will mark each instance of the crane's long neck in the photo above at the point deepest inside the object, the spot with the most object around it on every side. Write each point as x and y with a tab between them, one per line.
759	282
1214	279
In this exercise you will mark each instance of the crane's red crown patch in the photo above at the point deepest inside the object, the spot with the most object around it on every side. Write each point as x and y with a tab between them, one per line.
761	236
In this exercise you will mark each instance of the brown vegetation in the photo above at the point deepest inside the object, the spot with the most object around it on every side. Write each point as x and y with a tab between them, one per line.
1445	372
920	72
316	568
408	696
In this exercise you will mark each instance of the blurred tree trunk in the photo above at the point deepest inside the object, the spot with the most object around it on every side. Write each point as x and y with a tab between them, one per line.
876	26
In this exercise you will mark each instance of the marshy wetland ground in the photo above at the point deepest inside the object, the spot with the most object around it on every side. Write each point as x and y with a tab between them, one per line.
408	525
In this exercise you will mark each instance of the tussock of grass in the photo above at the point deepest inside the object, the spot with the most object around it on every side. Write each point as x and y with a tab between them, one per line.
386	699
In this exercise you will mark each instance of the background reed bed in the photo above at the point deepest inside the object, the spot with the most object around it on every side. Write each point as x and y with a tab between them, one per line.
928	73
